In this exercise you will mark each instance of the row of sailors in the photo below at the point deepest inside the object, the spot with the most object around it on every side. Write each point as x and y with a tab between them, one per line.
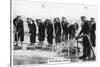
43	27
48	27
69	31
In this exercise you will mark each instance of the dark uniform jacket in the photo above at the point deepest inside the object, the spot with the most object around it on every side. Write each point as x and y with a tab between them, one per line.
20	26
50	33
41	31
57	27
63	26
85	28
72	30
32	31
32	28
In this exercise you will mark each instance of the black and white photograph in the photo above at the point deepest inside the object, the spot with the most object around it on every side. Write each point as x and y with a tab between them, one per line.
52	33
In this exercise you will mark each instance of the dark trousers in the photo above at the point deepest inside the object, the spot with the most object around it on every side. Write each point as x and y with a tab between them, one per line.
86	47
33	38
19	36
66	36
86	51
50	38
93	38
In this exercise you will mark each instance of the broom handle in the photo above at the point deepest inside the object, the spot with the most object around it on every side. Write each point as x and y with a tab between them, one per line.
91	46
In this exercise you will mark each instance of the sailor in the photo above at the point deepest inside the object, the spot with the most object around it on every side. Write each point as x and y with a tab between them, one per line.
32	30
92	33
19	29
66	27
49	28
86	43
57	27
41	31
63	28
